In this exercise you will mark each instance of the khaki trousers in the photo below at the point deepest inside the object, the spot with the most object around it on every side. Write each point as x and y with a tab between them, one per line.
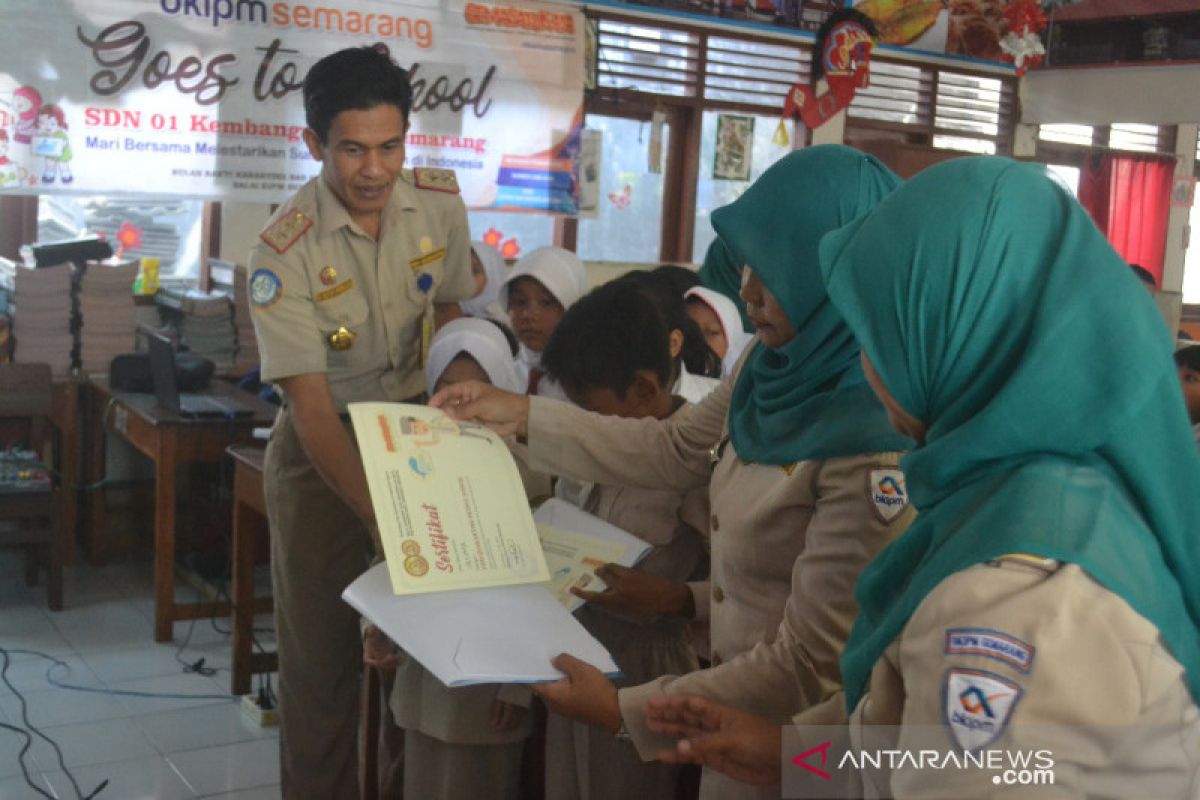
318	546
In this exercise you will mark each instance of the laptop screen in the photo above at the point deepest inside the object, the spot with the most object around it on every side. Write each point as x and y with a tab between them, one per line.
162	371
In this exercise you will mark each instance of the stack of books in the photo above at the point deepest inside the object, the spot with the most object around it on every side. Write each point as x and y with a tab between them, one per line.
230	278
40	304
204	322
108	316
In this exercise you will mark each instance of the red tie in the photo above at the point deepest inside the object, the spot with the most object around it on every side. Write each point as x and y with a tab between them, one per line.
535	377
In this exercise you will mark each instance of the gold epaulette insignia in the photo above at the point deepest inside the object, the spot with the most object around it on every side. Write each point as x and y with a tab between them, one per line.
439	180
286	230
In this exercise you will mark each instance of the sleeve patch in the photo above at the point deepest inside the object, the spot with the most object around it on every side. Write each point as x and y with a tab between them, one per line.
977	706
286	230
439	180
887	493
265	288
991	644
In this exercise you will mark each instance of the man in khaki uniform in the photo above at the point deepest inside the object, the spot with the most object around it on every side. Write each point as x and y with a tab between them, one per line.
344	286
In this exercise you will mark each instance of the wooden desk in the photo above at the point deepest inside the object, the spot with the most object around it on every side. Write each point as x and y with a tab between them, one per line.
168	440
249	524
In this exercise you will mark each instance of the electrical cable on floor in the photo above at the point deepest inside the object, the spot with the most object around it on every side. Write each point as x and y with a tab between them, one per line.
57	663
29	727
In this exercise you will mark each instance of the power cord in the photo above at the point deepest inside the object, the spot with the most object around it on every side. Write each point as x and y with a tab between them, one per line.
29	726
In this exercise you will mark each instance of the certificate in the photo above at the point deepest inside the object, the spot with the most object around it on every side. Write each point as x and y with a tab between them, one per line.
448	500
576	544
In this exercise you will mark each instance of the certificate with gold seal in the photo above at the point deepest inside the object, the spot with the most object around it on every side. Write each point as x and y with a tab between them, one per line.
448	500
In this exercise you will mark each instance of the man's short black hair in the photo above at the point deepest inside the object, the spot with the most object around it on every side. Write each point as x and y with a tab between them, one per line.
357	78
680	278
605	337
1188	357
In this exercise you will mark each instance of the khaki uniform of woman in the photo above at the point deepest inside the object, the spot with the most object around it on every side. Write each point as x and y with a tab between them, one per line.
771	554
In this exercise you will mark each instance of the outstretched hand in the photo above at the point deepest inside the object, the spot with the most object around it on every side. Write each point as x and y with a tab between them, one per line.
640	593
585	695
741	745
474	401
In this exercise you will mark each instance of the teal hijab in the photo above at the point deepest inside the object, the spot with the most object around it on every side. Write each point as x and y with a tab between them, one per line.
721	274
997	315
808	398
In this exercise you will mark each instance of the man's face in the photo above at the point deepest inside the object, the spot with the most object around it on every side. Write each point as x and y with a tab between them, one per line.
362	157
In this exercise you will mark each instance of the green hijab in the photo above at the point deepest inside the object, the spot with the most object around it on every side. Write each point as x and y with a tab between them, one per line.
808	398
721	274
1000	317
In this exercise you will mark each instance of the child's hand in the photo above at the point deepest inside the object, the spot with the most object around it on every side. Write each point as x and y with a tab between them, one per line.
741	745
640	593
506	716
379	651
504	412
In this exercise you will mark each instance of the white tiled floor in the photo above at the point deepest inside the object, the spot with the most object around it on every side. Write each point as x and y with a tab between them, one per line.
151	748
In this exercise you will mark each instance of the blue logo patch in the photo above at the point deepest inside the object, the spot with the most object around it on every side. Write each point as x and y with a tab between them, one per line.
991	644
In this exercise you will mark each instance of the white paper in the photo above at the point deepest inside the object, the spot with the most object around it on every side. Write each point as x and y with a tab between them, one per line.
504	634
573	559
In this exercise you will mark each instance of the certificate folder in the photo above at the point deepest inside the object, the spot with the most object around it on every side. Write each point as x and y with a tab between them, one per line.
505	634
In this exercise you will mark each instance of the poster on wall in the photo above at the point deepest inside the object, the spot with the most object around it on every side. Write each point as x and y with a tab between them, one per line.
201	98
735	143
971	28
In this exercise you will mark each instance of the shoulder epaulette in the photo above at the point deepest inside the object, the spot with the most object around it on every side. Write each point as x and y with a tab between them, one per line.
284	232
438	180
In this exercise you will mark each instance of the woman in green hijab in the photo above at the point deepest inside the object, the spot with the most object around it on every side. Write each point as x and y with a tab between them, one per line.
795	451
1046	598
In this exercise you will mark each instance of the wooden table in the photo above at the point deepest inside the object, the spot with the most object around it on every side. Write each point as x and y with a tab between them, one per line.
249	524
169	441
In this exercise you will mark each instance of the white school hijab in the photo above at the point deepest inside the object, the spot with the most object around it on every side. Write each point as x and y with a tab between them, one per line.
563	275
736	337
494	267
484	342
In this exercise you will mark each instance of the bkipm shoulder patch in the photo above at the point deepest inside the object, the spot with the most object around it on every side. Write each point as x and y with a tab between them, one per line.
438	180
977	706
286	230
887	492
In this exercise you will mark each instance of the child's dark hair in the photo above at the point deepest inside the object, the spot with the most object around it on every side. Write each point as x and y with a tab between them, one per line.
605	337
696	355
681	278
1144	275
357	78
1188	357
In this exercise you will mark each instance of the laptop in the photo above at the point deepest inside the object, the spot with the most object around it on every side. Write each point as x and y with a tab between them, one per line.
188	406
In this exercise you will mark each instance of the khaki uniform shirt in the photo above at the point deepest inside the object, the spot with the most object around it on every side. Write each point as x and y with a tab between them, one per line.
333	275
1063	665
787	545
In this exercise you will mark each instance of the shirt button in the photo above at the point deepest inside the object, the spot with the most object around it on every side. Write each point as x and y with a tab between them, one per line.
718	594
716	523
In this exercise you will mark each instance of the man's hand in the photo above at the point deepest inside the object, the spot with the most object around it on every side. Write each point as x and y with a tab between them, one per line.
741	745
640	593
585	695
473	401
506	716
379	651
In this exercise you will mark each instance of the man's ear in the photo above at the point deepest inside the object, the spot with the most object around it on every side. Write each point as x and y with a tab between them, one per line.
313	143
676	343
645	389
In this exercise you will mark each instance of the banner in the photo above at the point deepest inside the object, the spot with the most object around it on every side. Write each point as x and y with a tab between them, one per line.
201	98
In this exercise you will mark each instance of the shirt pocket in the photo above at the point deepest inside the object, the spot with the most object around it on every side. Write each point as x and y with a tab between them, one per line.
342	305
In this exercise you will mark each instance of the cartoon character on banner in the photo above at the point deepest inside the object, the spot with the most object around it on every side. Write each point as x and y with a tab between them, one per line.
843	57
27	101
53	144
10	173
